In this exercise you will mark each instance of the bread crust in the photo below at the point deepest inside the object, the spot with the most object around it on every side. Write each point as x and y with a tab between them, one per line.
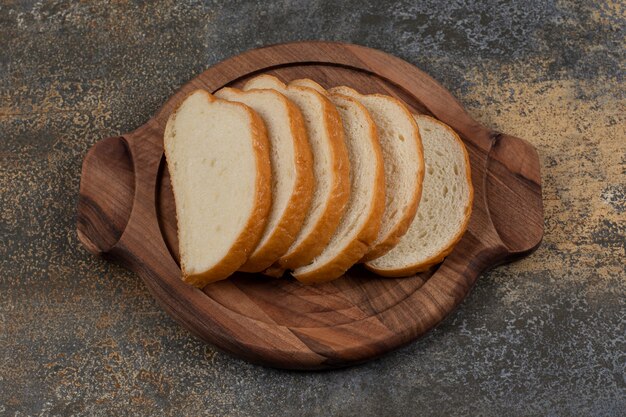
401	227
287	228
353	251
439	257
252	232
335	206
307	82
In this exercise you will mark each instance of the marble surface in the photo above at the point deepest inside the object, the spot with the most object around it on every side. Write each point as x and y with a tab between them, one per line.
542	336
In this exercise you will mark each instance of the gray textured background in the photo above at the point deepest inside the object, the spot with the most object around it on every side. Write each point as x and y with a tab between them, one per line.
543	336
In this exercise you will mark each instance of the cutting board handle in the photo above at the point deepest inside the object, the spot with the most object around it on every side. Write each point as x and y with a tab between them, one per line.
513	190
107	189
117	193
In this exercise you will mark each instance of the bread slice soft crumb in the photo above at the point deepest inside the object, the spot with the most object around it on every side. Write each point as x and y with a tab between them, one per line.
221	208
445	209
404	166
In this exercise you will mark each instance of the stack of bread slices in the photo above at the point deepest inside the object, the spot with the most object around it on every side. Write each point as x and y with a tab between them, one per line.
278	178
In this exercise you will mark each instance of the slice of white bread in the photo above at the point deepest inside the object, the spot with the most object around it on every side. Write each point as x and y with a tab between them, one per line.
404	166
331	169
218	157
292	172
361	221
444	212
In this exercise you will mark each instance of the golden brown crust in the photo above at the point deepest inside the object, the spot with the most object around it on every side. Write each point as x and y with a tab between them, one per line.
351	254
252	232
307	82
336	205
298	205
439	257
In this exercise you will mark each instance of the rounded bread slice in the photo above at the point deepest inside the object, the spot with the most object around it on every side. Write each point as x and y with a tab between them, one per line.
445	209
404	166
331	169
218	158
292	172
361	221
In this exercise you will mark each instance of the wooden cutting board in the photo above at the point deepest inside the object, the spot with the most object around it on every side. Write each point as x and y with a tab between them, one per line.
126	213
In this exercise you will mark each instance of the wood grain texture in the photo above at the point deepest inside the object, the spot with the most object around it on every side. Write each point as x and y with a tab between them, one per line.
126	212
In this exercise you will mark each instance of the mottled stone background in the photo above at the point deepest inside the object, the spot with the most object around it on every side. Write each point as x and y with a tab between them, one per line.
543	336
